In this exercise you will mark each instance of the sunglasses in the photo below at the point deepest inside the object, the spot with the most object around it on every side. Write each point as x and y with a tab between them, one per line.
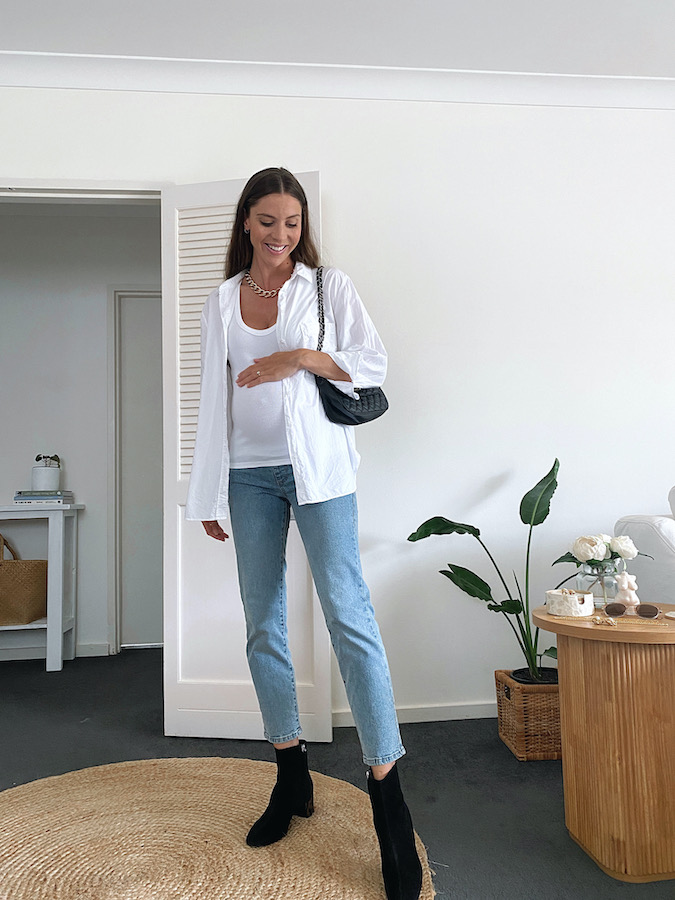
644	610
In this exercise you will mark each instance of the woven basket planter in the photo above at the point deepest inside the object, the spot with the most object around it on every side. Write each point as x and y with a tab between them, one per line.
529	717
23	588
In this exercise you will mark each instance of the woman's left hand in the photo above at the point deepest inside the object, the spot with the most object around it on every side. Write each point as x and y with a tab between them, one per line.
271	368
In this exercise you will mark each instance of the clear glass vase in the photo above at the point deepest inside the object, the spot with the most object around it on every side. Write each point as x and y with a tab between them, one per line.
600	580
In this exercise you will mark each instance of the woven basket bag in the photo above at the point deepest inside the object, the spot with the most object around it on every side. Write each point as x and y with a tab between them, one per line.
23	588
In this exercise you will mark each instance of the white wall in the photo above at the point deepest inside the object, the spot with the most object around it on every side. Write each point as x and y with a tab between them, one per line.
518	262
57	264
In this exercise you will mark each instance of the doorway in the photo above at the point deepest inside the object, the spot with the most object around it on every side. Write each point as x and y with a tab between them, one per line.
63	251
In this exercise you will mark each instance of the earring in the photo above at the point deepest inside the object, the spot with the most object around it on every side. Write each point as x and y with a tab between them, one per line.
246	230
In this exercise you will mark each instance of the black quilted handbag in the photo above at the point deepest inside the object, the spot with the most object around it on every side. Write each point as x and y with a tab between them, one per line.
339	407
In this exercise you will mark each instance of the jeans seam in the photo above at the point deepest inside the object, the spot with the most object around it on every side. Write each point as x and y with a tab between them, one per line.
282	616
356	554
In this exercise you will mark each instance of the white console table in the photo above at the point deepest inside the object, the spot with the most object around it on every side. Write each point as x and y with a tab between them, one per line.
58	627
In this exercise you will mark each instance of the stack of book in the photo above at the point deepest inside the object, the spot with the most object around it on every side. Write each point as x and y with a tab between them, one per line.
50	498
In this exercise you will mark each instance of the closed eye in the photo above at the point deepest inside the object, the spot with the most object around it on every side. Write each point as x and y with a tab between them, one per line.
288	224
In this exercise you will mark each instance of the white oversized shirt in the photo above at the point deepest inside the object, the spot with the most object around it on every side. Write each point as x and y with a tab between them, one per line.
323	453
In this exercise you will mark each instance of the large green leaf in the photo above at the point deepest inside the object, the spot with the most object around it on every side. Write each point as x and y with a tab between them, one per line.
535	505
552	652
507	606
469	582
567	557
441	525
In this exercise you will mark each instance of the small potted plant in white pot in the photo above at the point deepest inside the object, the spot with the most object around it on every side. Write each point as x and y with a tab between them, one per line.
46	476
534	680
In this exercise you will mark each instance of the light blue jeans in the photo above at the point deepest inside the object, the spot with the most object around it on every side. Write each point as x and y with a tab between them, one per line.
260	503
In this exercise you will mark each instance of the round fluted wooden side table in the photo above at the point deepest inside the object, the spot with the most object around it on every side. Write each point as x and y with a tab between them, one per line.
617	718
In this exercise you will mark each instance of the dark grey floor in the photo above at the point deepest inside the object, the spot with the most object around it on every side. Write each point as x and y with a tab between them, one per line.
493	826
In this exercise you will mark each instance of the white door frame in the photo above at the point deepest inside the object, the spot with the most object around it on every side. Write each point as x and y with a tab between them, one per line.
116	296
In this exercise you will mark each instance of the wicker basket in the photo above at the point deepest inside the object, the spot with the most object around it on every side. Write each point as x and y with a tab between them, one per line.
529	717
23	588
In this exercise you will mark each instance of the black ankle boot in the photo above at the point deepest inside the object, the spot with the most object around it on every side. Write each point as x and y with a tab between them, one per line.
293	795
401	866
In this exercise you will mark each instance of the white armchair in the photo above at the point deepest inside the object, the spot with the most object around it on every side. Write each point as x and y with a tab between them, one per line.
654	535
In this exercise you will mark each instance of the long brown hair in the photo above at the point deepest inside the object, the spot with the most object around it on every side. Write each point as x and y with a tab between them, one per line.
268	181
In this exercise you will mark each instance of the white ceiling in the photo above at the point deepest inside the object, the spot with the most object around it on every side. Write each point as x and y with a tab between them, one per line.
575	37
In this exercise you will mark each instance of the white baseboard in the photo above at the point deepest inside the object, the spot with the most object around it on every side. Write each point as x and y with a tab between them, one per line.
442	713
142	646
104	649
92	650
22	653
38	651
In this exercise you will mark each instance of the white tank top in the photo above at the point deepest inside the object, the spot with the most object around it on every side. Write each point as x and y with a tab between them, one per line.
258	436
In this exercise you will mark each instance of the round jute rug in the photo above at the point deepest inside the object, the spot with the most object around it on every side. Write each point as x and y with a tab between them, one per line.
175	829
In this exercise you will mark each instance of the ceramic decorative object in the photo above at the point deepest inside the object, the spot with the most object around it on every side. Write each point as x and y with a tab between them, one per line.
566	602
627	592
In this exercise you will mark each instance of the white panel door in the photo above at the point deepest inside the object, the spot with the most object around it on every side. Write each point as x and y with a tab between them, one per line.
208	690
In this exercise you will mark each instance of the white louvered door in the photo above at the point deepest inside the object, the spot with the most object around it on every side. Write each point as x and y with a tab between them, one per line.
208	690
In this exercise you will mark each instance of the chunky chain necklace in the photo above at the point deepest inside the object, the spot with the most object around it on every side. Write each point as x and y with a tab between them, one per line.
258	290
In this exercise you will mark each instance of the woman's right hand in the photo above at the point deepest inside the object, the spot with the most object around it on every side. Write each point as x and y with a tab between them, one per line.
213	529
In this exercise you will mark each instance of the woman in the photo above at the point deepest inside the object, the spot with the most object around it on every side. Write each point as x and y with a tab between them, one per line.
264	447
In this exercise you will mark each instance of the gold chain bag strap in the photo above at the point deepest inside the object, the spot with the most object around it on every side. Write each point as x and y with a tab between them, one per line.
23	588
339	407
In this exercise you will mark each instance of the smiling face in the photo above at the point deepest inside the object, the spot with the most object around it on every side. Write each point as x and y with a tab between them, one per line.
275	224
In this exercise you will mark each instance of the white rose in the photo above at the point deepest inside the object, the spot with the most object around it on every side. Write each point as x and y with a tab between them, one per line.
590	547
605	537
623	546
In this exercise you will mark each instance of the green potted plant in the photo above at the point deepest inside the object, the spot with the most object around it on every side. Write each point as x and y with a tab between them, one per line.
542	681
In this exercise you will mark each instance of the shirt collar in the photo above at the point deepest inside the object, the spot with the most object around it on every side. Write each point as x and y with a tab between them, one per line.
303	271
300	270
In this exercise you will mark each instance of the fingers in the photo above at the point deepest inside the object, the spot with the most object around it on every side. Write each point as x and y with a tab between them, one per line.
213	529
269	368
252	375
